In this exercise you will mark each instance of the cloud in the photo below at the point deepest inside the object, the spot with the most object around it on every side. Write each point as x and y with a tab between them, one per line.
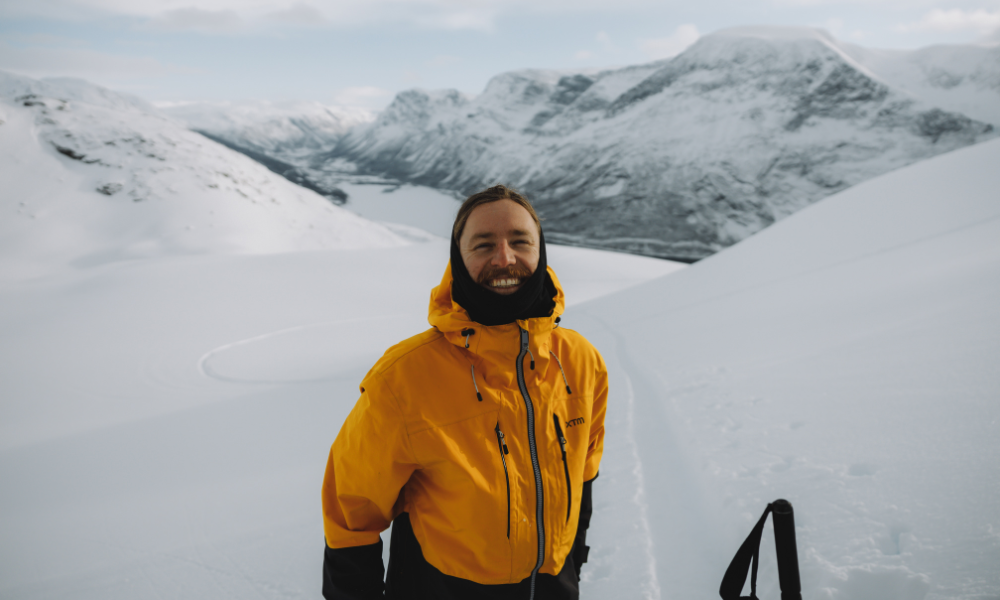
458	19
197	19
443	60
365	96
298	14
816	3
834	25
583	55
82	62
982	22
240	16
991	40
672	45
605	41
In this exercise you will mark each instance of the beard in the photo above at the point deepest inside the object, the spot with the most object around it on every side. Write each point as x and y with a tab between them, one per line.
491	273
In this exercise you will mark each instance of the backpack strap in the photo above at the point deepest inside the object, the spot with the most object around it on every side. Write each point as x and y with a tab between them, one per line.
736	574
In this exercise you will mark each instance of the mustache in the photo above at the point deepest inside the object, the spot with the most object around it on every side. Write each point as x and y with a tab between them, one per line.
515	271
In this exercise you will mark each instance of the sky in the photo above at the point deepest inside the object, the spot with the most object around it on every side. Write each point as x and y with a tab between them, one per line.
362	52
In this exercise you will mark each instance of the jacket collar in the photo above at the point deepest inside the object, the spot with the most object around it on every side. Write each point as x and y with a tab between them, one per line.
448	317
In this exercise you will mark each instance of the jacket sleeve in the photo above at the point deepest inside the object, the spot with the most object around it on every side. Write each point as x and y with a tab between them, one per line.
370	462
581	551
595	448
353	573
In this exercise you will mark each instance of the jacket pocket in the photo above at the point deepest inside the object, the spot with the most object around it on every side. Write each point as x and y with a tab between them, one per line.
502	445
562	446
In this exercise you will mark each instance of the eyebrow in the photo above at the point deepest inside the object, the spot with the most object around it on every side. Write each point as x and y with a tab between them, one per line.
488	235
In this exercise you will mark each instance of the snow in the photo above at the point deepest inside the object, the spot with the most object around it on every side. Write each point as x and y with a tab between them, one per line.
166	417
427	209
273	127
166	190
964	79
188	404
843	359
166	414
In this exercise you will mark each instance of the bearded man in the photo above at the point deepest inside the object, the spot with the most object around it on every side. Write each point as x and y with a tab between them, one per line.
479	439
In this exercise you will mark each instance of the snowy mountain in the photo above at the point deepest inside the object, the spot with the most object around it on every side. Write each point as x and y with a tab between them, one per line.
282	136
683	157
91	176
278	128
963	79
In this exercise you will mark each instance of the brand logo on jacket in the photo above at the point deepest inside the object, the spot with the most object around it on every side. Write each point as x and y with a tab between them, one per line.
572	422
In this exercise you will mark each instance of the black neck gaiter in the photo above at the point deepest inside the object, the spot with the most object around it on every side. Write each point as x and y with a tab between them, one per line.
536	298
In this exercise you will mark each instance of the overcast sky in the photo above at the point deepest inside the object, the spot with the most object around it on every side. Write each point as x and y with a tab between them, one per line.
361	52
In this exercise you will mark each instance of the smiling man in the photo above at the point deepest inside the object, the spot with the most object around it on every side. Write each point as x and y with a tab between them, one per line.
477	440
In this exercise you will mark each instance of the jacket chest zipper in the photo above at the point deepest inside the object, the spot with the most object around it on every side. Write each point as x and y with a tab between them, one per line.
502	444
562	446
539	496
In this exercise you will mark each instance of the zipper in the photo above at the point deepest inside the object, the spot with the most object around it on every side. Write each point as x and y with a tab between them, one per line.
539	496
504	451
562	445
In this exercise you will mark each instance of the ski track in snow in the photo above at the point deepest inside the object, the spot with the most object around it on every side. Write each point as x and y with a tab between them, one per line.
651	589
623	557
205	368
681	512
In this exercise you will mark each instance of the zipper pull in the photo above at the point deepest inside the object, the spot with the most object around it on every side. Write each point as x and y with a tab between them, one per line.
503	441
559	433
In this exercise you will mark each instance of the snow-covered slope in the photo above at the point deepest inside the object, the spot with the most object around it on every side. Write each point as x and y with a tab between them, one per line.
281	128
287	137
166	422
964	79
677	158
843	359
90	176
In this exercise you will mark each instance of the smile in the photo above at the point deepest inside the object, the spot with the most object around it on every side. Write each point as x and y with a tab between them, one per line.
505	283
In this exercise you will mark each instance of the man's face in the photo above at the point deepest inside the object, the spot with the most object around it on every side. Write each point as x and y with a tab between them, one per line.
500	246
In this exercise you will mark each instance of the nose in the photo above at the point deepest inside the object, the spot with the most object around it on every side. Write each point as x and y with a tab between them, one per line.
504	255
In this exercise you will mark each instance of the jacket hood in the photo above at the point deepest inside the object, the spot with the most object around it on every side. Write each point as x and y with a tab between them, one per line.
448	316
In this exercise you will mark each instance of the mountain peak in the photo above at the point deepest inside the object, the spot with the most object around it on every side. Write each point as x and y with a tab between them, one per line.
774	33
677	158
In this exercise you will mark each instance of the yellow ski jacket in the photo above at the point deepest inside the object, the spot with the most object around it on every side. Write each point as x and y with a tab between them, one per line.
484	435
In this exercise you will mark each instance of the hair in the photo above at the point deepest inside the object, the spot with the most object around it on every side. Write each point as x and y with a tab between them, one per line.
491	194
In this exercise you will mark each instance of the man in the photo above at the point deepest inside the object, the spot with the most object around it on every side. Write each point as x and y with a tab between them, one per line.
479	439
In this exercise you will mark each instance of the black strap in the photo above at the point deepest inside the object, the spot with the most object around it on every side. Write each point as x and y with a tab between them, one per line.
736	574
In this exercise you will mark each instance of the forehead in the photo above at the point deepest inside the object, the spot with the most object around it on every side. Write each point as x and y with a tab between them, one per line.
497	218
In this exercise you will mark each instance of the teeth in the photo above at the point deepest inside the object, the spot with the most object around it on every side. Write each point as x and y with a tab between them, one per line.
505	282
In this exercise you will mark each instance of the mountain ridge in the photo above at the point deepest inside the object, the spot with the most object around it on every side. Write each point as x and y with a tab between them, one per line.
697	153
680	157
